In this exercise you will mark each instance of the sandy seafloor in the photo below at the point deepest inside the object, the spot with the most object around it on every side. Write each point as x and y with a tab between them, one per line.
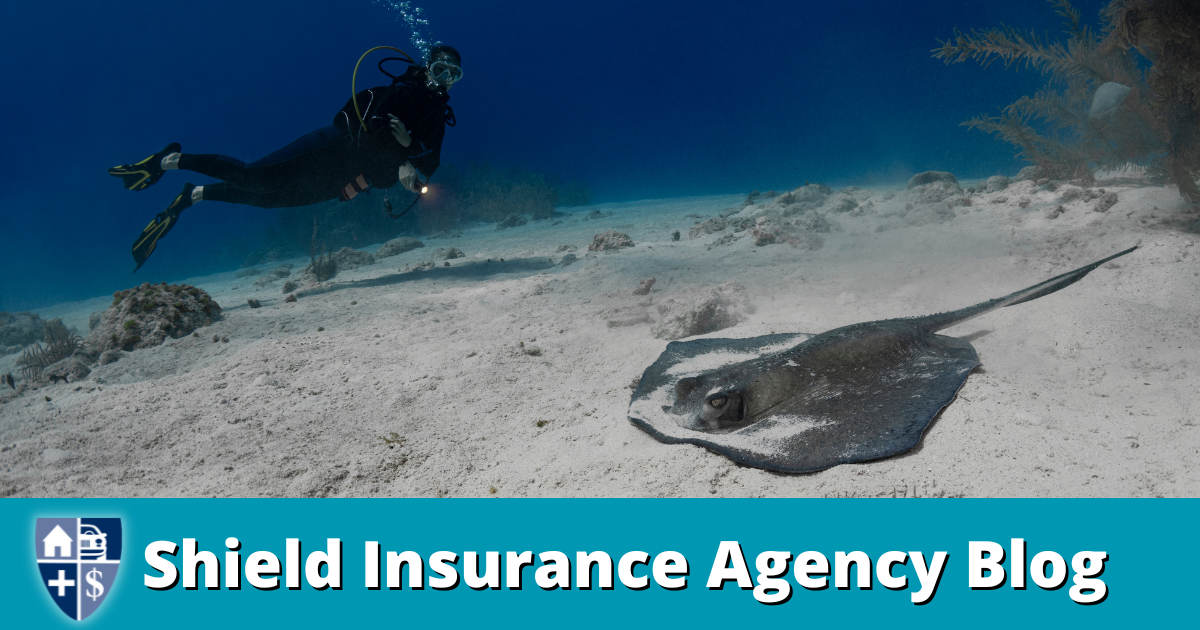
1091	391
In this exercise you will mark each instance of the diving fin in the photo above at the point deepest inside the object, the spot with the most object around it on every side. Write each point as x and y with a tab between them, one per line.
146	173
158	228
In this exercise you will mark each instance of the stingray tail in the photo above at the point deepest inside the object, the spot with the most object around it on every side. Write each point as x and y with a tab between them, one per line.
940	321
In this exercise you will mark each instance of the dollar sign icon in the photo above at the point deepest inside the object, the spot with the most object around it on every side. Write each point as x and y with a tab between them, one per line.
96	589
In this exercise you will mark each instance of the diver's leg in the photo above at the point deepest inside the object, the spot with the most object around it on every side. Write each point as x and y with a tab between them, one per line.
221	167
283	169
230	193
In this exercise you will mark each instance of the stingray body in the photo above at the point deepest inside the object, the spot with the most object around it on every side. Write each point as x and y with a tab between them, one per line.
801	403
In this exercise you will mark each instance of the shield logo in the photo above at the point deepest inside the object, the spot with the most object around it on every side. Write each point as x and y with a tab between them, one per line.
78	560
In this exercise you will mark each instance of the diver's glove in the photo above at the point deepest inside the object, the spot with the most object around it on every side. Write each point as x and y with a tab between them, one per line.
408	177
399	132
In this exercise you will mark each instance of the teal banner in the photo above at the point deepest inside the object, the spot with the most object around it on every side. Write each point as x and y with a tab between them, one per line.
304	563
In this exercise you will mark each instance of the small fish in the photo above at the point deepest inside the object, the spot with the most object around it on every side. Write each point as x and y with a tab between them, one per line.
8	379
1107	99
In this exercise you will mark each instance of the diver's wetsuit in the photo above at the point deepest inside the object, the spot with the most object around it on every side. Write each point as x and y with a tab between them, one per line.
316	167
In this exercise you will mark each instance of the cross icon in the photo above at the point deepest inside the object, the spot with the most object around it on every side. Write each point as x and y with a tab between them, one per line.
62	583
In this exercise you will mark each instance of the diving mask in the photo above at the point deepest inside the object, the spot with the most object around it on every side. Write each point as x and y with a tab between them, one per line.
444	72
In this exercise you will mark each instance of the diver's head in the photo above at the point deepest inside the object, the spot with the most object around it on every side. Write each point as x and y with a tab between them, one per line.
444	67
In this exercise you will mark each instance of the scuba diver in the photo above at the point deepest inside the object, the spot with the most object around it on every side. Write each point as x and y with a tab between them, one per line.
382	136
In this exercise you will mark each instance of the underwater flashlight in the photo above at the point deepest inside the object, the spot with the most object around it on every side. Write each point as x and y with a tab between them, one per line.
424	189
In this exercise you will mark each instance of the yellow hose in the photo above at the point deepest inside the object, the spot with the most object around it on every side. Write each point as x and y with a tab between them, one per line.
354	78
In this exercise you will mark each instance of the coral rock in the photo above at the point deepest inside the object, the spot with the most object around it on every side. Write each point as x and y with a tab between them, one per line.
610	240
1106	202
20	329
146	315
645	287
347	258
708	227
398	246
996	183
932	177
73	367
701	311
512	220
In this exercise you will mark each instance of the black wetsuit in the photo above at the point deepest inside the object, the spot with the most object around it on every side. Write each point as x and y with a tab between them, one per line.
318	166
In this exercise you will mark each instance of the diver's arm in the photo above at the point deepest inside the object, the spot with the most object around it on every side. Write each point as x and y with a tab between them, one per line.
399	132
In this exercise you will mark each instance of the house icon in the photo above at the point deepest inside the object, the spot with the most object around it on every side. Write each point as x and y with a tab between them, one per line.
57	544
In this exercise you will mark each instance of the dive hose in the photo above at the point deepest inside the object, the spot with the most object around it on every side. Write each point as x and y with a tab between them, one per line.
354	79
387	202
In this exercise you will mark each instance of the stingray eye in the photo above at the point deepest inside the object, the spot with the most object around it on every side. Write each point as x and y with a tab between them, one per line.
719	401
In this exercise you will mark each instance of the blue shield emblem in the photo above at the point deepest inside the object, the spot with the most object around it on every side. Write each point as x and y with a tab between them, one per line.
78	560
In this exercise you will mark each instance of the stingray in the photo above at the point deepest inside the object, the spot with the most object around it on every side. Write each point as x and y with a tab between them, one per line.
800	403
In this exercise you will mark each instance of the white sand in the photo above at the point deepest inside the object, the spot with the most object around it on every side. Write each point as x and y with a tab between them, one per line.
1087	392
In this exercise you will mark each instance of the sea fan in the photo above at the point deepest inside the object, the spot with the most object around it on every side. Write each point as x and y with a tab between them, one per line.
1155	126
60	344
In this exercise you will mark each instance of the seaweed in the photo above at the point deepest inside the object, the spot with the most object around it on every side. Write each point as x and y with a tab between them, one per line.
60	344
324	266
1155	126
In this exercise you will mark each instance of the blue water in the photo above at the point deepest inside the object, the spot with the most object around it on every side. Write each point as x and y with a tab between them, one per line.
640	100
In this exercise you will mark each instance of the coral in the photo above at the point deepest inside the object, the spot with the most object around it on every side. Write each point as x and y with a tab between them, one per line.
60	344
347	259
20	329
843	203
996	183
701	311
512	220
1059	131
322	268
765	232
645	287
609	241
933	187
398	246
146	315
710	226
72	368
1106	202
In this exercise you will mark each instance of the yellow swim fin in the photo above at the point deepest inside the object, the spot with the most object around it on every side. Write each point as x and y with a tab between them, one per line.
158	228
144	174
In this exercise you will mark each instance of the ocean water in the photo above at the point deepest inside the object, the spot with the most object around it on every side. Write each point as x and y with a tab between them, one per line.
640	100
